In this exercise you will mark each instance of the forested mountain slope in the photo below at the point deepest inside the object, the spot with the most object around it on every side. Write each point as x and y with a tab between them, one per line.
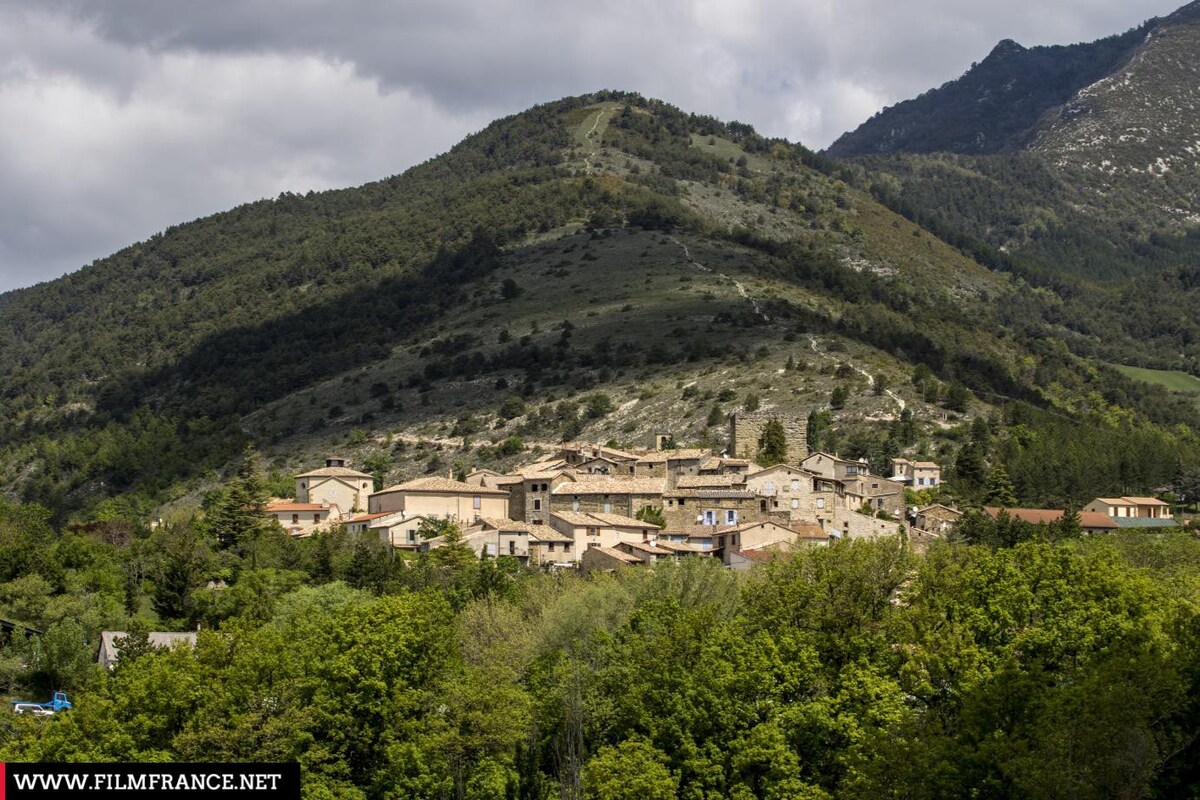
1097	198
605	243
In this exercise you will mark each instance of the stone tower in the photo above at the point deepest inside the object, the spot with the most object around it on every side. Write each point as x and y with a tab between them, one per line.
746	430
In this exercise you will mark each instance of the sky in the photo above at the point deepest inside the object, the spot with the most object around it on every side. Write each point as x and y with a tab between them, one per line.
123	117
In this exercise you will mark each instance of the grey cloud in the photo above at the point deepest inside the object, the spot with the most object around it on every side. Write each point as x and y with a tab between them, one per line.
131	115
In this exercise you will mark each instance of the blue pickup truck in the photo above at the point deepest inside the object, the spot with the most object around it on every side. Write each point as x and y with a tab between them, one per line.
59	703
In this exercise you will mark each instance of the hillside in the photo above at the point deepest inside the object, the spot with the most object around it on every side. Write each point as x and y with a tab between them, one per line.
996	105
605	245
1091	193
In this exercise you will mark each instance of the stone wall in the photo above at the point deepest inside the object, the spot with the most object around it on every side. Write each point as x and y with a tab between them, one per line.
746	430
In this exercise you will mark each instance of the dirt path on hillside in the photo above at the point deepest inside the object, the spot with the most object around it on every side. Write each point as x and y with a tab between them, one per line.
741	290
870	378
587	160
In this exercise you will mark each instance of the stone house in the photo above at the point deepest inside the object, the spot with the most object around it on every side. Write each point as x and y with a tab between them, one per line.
441	498
601	530
606	559
784	489
625	496
336	484
711	507
530	497
827	465
647	552
916	474
768	533
721	465
936	519
878	493
398	529
361	523
548	547
501	537
302	519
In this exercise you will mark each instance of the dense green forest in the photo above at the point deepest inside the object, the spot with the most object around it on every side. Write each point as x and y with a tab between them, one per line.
1016	661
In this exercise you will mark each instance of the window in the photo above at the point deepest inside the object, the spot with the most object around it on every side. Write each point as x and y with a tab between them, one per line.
317	517
303	485
820	502
550	548
512	547
475	501
295	519
795	503
545	487
537	505
769	488
593	531
566	547
710	518
730	517
681	501
795	485
631	470
574	504
412	537
607	507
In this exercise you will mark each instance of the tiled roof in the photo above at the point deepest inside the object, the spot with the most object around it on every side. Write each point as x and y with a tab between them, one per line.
441	485
546	534
288	505
620	521
938	505
712	494
369	517
334	472
1146	501
599	484
1035	516
1096	519
599	520
707	481
617	554
507	524
645	547
700	531
680	547
575	518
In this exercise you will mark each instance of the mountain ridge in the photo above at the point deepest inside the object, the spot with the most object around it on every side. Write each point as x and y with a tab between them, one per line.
603	244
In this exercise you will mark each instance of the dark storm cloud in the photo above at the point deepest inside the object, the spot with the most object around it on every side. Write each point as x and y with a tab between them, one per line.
127	116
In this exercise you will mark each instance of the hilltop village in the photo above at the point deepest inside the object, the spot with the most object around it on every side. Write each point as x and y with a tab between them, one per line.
596	507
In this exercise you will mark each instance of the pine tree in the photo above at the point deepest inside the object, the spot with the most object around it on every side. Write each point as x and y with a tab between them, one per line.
234	514
999	489
772	448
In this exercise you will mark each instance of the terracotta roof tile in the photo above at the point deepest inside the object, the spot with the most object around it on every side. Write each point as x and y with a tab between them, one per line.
444	485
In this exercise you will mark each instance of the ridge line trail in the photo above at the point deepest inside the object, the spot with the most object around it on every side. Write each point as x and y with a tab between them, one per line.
812	340
587	160
741	290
